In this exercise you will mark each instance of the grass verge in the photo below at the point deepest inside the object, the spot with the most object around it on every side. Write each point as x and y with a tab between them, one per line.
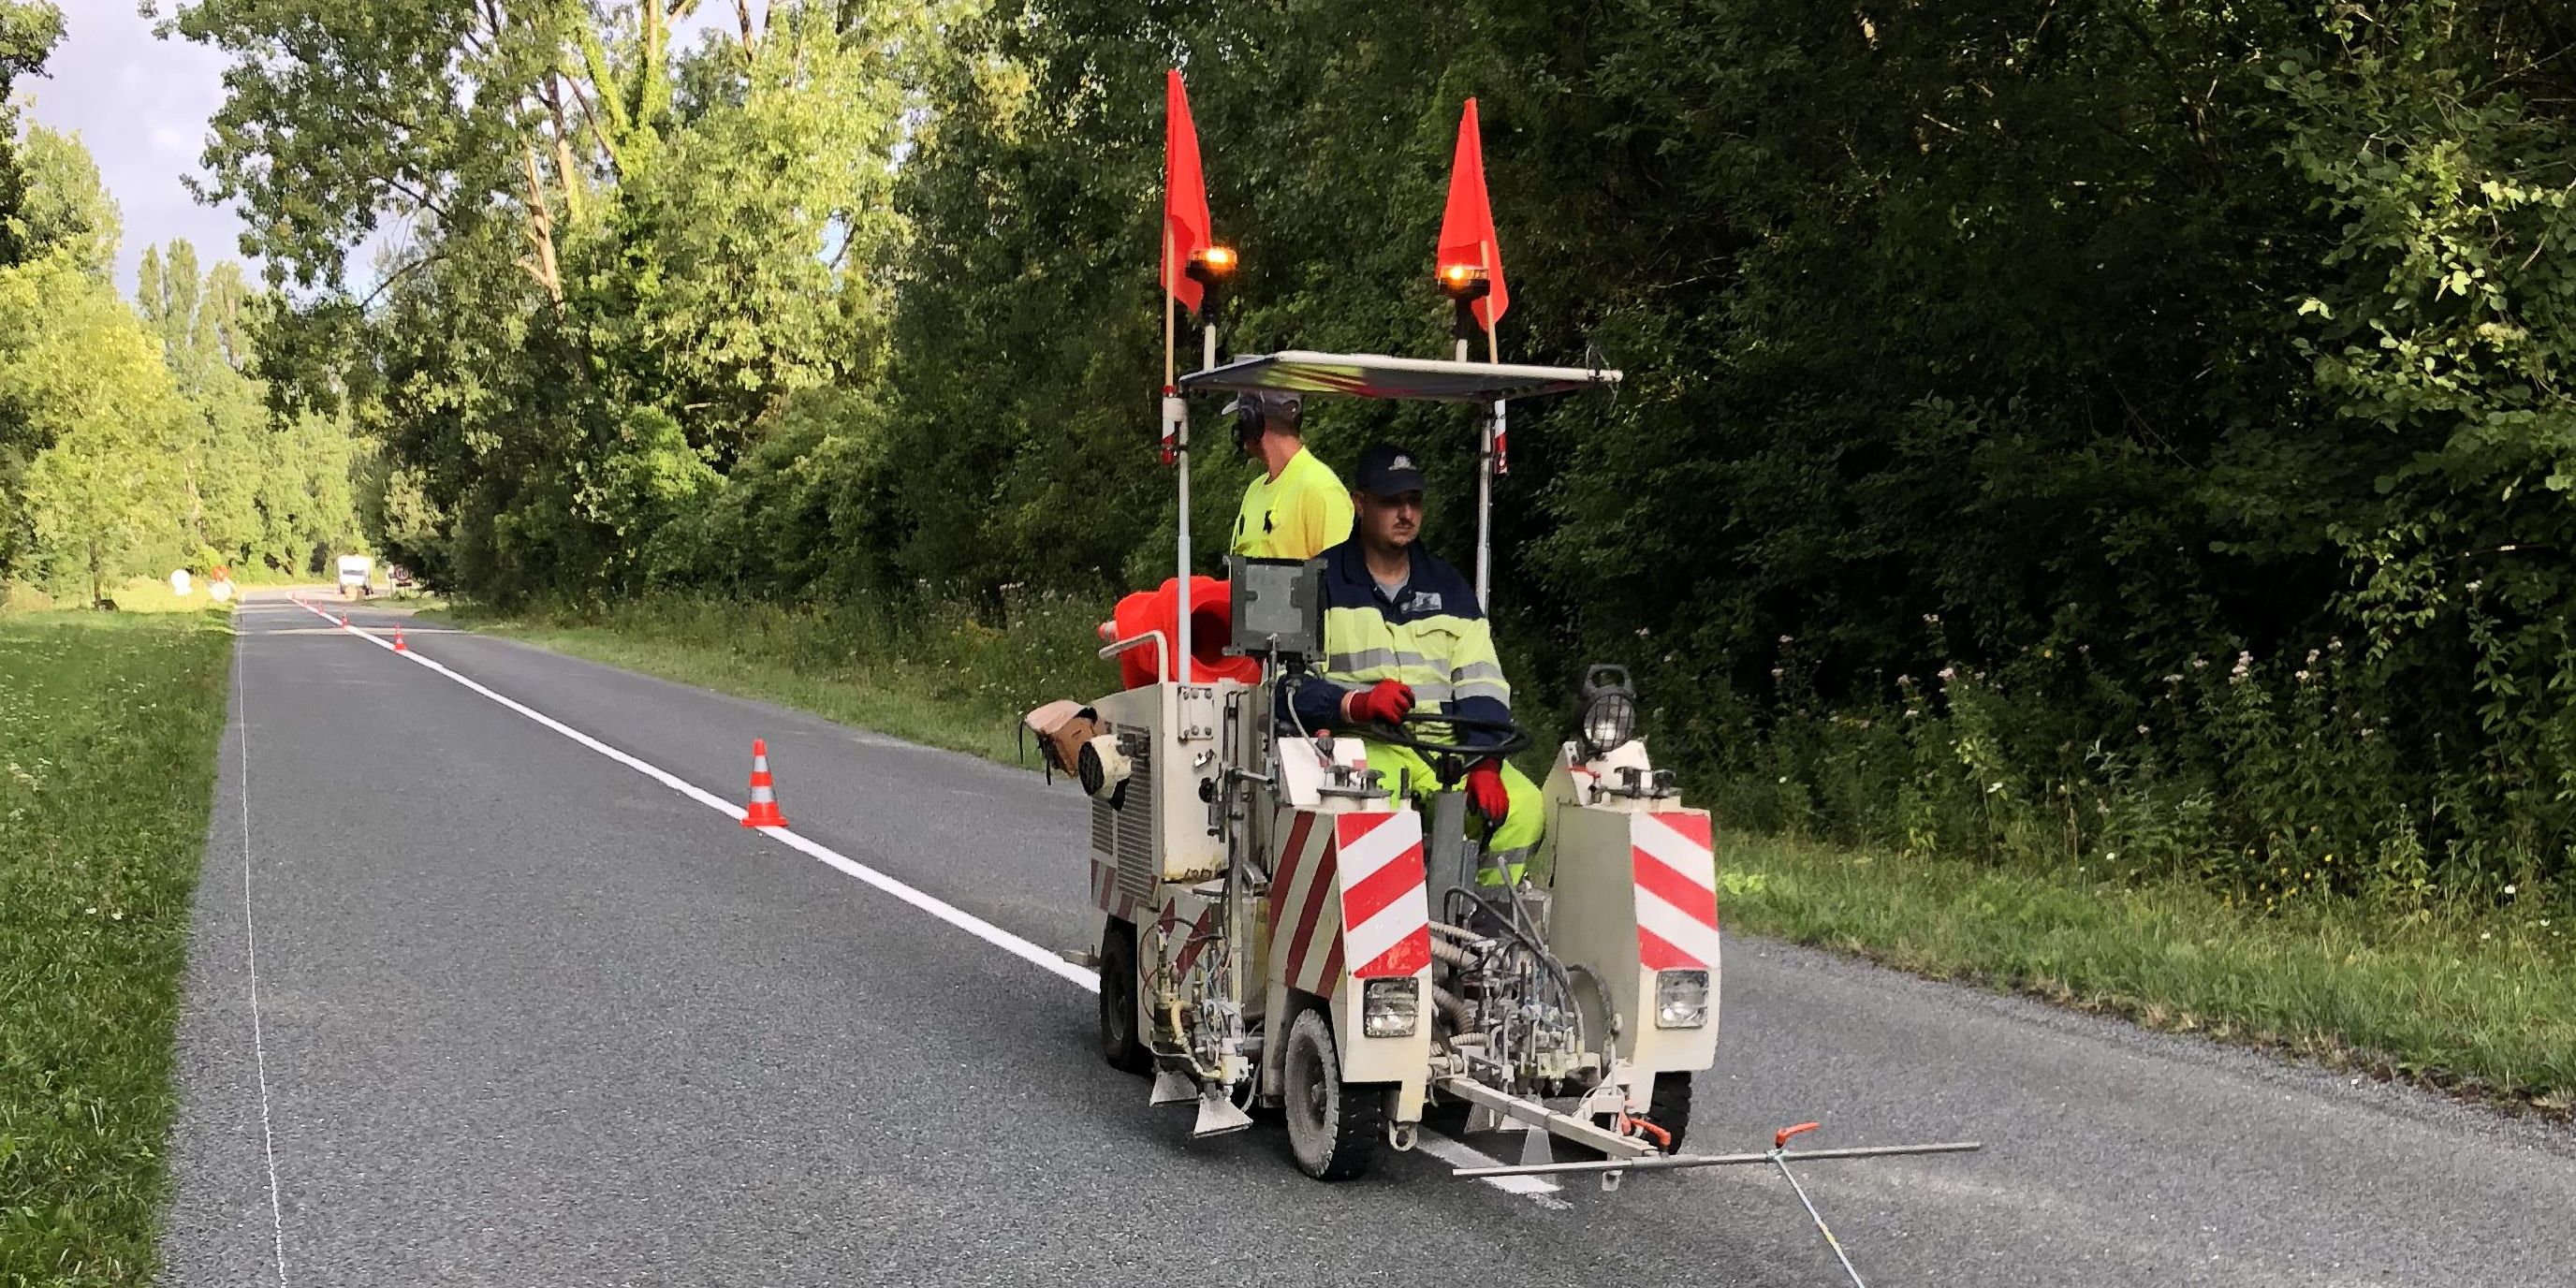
109	724
2475	1004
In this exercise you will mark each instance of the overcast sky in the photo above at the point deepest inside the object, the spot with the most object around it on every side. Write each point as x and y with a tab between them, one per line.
141	104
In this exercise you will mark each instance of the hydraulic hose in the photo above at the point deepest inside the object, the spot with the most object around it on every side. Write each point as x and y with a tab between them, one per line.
1451	1006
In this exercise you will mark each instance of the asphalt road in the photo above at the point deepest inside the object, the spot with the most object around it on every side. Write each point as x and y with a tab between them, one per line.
528	1016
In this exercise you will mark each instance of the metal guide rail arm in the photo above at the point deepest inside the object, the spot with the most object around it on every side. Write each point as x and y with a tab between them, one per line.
1676	1162
1631	1151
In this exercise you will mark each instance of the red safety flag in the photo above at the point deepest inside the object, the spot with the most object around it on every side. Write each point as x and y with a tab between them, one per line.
1185	208
1467	228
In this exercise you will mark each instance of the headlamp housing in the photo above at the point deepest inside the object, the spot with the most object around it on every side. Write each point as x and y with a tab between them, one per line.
1681	999
1609	715
1391	1008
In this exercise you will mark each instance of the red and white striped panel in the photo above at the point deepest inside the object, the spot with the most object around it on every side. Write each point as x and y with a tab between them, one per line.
1386	909
1676	890
1201	934
1106	896
1348	890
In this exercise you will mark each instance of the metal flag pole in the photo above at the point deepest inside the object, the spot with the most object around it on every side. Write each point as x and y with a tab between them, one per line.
1176	432
1490	437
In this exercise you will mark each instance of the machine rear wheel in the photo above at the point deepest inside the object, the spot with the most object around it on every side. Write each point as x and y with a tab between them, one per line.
1670	1108
1120	1043
1334	1128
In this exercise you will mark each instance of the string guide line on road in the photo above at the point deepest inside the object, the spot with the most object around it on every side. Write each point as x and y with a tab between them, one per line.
250	959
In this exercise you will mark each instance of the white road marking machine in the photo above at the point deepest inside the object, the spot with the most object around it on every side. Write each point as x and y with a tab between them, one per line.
1283	928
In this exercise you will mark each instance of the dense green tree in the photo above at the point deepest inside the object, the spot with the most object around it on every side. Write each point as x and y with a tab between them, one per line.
29	30
265	489
67	209
81	369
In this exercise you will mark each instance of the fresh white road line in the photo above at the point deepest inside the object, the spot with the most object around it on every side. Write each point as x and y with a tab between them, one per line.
1537	1189
250	958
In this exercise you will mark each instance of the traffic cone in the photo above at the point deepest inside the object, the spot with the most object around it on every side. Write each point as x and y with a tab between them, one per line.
344	621
764	802
398	644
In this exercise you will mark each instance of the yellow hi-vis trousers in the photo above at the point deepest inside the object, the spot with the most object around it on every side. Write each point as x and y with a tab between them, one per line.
1521	828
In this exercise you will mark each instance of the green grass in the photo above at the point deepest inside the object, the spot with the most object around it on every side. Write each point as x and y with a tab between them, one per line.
2477	1005
937	679
2474	1003
109	724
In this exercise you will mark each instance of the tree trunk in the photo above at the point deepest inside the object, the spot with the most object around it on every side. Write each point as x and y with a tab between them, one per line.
574	183
541	231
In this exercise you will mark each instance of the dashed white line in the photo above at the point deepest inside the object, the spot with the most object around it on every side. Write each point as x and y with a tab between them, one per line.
1536	1189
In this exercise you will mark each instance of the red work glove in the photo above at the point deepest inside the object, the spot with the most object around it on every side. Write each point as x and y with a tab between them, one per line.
1485	792
1385	702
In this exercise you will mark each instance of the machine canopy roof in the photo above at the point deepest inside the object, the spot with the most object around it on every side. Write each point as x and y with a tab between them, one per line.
1375	375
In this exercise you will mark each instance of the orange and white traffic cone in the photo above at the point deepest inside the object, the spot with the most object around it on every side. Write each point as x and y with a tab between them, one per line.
344	621
764	801
398	644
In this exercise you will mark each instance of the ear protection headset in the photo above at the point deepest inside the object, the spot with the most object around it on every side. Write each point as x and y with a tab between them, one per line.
1252	410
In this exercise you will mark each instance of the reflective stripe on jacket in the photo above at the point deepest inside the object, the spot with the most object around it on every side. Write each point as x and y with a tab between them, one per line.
1432	635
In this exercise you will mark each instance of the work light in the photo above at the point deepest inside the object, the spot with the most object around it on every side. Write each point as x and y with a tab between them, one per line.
1210	267
1390	1008
1463	282
1681	999
1609	716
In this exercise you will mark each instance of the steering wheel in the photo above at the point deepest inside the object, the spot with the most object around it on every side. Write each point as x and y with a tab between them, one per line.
1508	738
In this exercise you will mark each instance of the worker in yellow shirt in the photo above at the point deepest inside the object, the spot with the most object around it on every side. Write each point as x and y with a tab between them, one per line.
1297	508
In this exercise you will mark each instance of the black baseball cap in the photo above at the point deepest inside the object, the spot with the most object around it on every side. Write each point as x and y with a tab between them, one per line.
1387	470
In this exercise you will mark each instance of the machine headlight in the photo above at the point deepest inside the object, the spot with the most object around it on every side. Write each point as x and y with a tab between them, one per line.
1681	999
1390	1008
1609	716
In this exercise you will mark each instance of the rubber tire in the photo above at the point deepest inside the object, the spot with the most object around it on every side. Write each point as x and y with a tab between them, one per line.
1120	1042
1335	1129
1670	1106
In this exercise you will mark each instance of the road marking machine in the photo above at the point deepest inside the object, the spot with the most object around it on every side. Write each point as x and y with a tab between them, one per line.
1285	929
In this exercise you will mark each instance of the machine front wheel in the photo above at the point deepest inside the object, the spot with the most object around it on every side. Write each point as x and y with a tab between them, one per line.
1120	1043
1670	1107
1334	1128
